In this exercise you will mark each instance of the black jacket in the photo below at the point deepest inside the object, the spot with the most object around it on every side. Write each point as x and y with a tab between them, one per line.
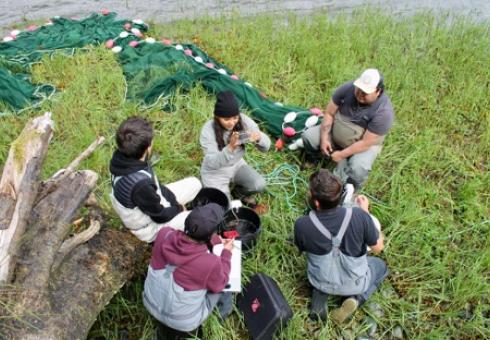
143	194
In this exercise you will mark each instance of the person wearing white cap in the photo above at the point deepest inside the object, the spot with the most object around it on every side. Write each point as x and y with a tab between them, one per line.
354	125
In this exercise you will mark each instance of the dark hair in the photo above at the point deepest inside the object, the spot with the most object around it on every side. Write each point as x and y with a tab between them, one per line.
218	131
134	136
325	188
381	84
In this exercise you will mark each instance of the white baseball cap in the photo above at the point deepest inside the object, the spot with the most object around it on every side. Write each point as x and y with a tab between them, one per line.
368	81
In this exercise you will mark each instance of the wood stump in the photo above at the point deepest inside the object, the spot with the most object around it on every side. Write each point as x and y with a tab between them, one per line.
53	286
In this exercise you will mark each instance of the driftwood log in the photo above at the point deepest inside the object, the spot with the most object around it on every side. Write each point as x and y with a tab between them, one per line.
53	286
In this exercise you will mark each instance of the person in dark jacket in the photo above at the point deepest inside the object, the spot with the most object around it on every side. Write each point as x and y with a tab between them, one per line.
143	204
185	280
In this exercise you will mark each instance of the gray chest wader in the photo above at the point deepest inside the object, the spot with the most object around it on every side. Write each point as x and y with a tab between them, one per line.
337	273
345	133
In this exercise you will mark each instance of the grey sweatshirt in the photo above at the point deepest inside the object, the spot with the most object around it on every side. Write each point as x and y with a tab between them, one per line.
215	159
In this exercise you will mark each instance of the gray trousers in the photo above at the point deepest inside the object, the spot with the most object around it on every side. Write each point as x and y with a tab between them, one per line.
356	167
379	271
223	300
246	179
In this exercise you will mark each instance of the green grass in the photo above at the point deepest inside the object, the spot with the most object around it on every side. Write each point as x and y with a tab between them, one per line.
430	184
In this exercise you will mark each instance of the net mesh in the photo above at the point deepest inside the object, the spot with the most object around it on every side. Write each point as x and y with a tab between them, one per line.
153	69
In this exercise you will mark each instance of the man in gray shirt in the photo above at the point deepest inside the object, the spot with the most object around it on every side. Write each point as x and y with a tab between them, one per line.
354	124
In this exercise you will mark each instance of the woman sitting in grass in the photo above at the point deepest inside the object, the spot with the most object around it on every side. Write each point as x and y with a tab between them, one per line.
222	140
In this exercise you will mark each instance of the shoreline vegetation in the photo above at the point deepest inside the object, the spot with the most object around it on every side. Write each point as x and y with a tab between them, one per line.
429	187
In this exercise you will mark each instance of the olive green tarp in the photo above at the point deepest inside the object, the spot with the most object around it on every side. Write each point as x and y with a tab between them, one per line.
153	69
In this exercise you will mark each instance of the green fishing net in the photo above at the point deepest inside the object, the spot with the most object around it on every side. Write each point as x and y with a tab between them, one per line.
153	69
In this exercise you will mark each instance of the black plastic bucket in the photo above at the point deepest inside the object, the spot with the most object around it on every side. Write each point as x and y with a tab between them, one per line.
210	195
243	224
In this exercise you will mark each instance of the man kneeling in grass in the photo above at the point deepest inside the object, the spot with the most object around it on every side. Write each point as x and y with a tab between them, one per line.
335	240
354	125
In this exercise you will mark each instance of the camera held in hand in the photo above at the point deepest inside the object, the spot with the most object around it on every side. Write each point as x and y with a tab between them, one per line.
243	137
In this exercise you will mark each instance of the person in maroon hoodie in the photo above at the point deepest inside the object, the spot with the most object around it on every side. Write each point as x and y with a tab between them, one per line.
185	280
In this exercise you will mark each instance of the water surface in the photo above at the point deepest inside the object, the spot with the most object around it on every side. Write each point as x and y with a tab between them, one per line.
17	11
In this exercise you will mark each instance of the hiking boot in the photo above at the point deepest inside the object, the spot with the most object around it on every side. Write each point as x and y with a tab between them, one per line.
318	307
249	201
261	209
349	306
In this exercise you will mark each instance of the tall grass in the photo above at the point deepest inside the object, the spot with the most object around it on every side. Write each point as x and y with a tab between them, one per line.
429	187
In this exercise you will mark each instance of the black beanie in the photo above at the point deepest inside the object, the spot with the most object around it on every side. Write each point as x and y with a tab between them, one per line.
226	105
203	221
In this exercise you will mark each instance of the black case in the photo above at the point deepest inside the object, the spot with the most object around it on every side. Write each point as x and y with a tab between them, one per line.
264	307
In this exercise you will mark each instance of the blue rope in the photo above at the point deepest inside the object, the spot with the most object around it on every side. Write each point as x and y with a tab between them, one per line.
286	175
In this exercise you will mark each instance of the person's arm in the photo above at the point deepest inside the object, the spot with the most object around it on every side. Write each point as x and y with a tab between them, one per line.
376	129
145	197
298	240
326	127
368	139
363	203
329	114
379	246
220	274
214	158
170	197
261	140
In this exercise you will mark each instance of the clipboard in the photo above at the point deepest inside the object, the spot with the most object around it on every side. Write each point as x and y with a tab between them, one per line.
235	280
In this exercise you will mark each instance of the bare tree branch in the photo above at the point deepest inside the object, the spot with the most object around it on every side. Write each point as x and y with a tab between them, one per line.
88	151
51	184
71	243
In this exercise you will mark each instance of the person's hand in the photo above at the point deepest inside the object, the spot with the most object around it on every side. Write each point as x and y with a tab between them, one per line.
234	140
326	148
336	156
363	202
254	136
227	243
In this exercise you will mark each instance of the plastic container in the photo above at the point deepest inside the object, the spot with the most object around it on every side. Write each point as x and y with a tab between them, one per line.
243	224
210	195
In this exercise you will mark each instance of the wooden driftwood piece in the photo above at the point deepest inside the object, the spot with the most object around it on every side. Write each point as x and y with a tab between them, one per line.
49	225
19	186
80	288
50	185
54	286
74	241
